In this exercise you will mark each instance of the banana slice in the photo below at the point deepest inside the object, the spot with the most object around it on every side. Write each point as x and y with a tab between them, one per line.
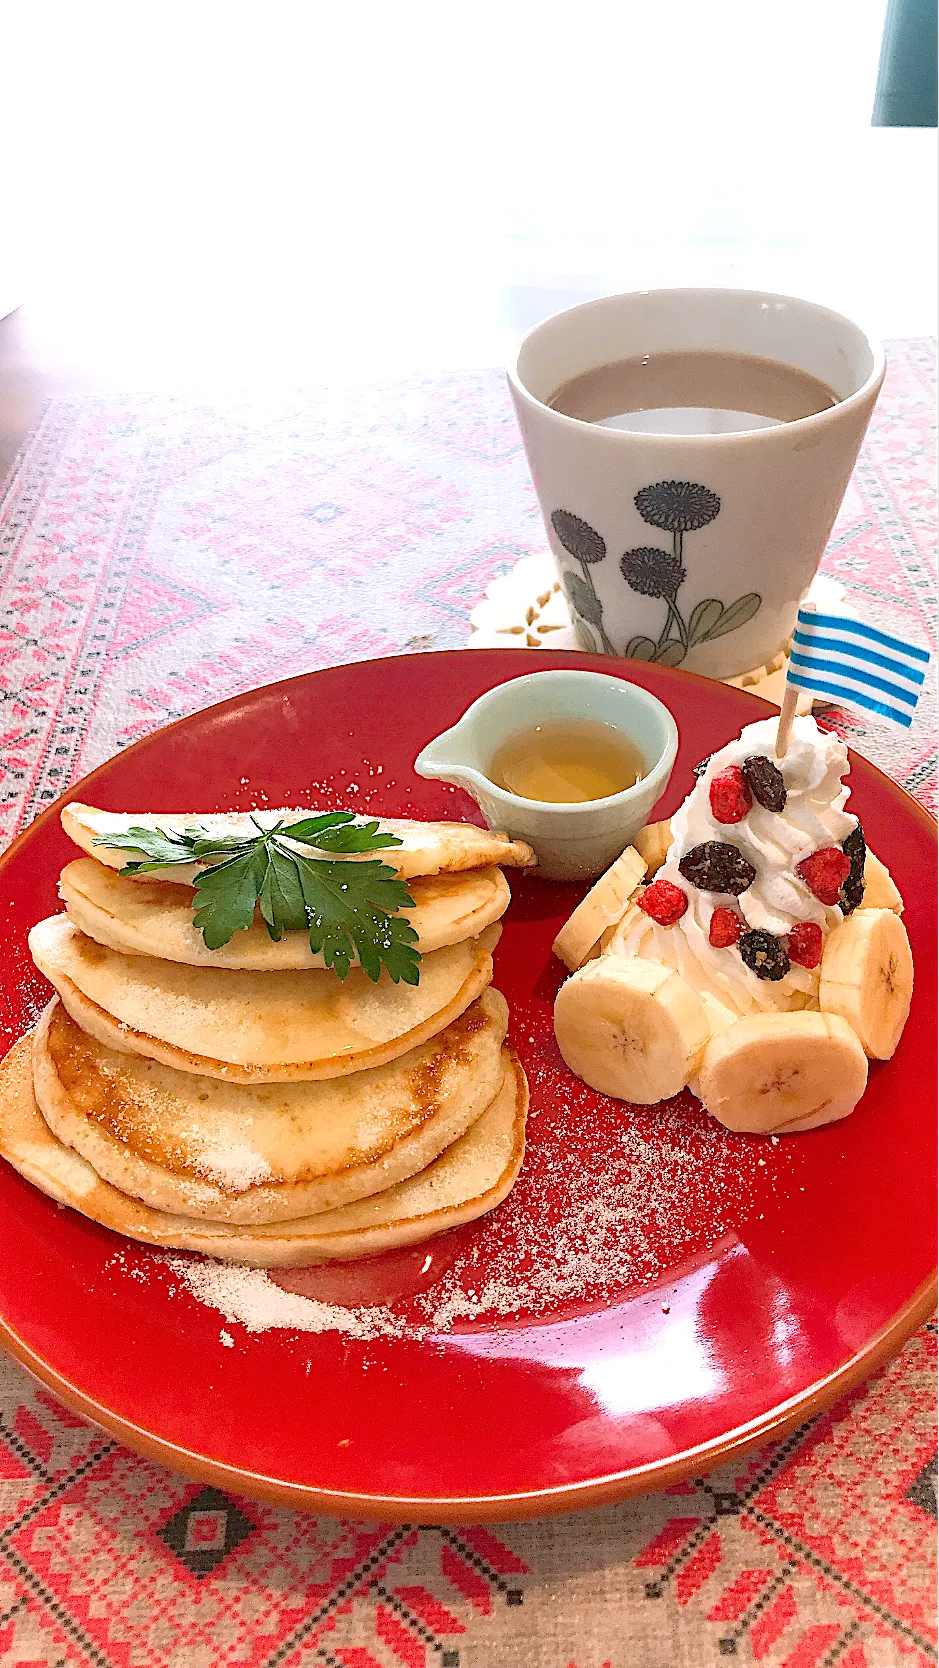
867	977
604	906
653	843
631	1028
880	889
776	1074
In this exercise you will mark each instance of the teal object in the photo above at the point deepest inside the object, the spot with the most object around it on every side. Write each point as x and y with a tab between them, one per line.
906	80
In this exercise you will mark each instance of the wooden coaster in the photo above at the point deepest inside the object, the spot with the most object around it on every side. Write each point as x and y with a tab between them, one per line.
526	609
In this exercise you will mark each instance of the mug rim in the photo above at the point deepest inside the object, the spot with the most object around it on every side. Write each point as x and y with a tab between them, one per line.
871	384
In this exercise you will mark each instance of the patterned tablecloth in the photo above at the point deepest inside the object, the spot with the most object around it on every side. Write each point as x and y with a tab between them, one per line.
157	555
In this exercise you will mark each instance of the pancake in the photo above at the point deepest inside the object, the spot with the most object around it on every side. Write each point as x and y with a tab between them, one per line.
427	848
146	917
252	1027
467	1180
229	1153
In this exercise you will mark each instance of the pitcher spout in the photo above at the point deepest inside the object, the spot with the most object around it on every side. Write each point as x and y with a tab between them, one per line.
448	758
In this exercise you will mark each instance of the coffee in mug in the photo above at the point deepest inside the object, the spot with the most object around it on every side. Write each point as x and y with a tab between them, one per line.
692	393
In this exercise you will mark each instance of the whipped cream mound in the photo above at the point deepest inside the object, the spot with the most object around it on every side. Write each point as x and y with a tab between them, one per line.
775	842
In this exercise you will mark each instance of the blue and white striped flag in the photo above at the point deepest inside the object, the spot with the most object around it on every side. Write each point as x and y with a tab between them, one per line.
839	656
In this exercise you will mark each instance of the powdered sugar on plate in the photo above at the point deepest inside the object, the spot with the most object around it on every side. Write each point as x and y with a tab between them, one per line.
610	1200
249	1296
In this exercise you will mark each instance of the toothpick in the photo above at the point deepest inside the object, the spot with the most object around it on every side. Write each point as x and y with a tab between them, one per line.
786	715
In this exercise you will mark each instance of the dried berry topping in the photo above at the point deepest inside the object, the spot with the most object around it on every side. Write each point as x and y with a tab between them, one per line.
664	902
764	954
805	943
851	895
717	866
825	872
855	849
725	928
729	797
701	766
764	779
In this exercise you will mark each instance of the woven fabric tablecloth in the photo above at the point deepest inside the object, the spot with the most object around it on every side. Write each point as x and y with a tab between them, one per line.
160	554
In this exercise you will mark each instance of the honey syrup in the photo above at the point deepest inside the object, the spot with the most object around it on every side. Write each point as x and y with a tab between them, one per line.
567	762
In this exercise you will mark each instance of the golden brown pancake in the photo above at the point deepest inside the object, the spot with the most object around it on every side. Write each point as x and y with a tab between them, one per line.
468	1179
427	848
252	1027
272	1152
147	917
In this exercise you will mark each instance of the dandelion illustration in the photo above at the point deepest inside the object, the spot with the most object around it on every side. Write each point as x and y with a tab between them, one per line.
585	544
578	537
655	573
676	507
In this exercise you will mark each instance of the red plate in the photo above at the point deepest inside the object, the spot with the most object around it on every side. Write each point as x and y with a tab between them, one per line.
736	1286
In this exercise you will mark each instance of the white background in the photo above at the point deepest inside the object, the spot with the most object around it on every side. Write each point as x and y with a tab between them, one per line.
294	190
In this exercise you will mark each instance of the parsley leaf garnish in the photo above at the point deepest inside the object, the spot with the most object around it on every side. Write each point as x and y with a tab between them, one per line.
347	909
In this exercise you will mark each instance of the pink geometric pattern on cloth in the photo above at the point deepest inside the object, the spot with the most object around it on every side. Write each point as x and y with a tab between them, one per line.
156	555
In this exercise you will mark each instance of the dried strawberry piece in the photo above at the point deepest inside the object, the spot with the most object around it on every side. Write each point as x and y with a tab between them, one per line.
825	872
725	928
664	902
805	944
729	796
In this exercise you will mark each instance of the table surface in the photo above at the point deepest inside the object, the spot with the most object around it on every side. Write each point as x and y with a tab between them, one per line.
158	553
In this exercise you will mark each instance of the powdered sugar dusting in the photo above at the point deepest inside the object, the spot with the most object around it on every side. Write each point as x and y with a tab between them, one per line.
249	1296
233	1167
611	1199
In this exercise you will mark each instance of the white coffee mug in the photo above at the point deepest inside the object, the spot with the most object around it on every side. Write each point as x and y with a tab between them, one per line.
692	550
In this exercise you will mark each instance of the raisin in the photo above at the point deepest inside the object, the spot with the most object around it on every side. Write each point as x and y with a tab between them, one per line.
764	779
717	866
851	895
764	954
698	770
855	849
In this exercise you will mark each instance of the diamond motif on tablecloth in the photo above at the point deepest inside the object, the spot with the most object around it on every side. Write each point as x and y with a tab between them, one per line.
324	512
203	1532
726	1504
923	1492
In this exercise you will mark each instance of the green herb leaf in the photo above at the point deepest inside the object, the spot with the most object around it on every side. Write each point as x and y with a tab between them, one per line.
349	909
339	832
281	896
227	893
163	847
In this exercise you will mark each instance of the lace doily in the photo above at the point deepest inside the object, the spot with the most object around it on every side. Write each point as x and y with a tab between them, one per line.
526	609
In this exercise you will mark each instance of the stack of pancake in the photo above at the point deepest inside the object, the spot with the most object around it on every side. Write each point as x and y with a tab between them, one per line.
247	1102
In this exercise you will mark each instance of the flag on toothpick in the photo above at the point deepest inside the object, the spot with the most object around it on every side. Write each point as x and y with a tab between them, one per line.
838	656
